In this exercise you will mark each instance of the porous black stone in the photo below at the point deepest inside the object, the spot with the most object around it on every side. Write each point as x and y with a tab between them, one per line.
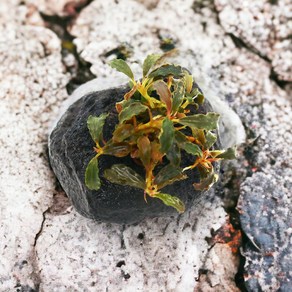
71	148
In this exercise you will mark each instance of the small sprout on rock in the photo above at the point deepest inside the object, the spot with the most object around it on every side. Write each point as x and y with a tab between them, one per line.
158	121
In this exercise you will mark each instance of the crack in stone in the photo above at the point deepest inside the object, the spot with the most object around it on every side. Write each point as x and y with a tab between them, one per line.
240	43
41	227
80	69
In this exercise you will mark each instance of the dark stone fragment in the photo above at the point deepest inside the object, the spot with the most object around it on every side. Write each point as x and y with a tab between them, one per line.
71	148
265	215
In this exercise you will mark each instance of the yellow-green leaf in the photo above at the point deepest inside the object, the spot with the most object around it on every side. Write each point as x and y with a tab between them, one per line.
121	66
149	62
168	175
188	81
124	175
206	183
95	126
167	135
171	201
229	153
134	109
198	96
178	96
207	121
210	139
92	180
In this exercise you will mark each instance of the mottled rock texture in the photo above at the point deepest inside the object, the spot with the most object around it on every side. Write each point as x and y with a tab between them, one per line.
265	207
32	83
264	27
60	250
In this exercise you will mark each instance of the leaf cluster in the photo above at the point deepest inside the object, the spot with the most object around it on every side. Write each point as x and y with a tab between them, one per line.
158	122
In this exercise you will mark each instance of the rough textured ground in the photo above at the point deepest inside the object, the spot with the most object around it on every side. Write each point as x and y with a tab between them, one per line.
241	54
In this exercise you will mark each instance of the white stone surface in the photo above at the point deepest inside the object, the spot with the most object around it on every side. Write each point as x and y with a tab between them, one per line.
45	245
77	254
264	27
32	83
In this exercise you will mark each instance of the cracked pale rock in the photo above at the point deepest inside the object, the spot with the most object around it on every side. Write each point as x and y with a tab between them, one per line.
32	83
76	253
265	26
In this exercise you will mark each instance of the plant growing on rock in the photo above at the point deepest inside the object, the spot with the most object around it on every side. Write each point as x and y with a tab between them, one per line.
158	122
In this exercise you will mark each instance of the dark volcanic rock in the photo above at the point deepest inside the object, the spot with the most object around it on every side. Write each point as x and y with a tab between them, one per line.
71	148
265	214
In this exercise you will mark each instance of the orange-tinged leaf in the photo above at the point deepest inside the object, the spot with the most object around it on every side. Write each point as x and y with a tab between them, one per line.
144	147
164	94
156	155
122	132
117	149
129	94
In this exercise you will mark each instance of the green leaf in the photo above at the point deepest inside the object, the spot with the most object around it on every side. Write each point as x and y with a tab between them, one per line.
92	180
171	201
116	149
134	109
192	148
173	154
150	62
199	134
121	66
167	70
206	183
210	139
198	96
229	153
167	135
124	175
95	126
178	96
164	94
122	132
200	121
188	146
168	175
144	147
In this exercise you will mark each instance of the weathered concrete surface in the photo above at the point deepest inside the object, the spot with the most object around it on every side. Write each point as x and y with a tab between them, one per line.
158	254
68	252
264	26
32	84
